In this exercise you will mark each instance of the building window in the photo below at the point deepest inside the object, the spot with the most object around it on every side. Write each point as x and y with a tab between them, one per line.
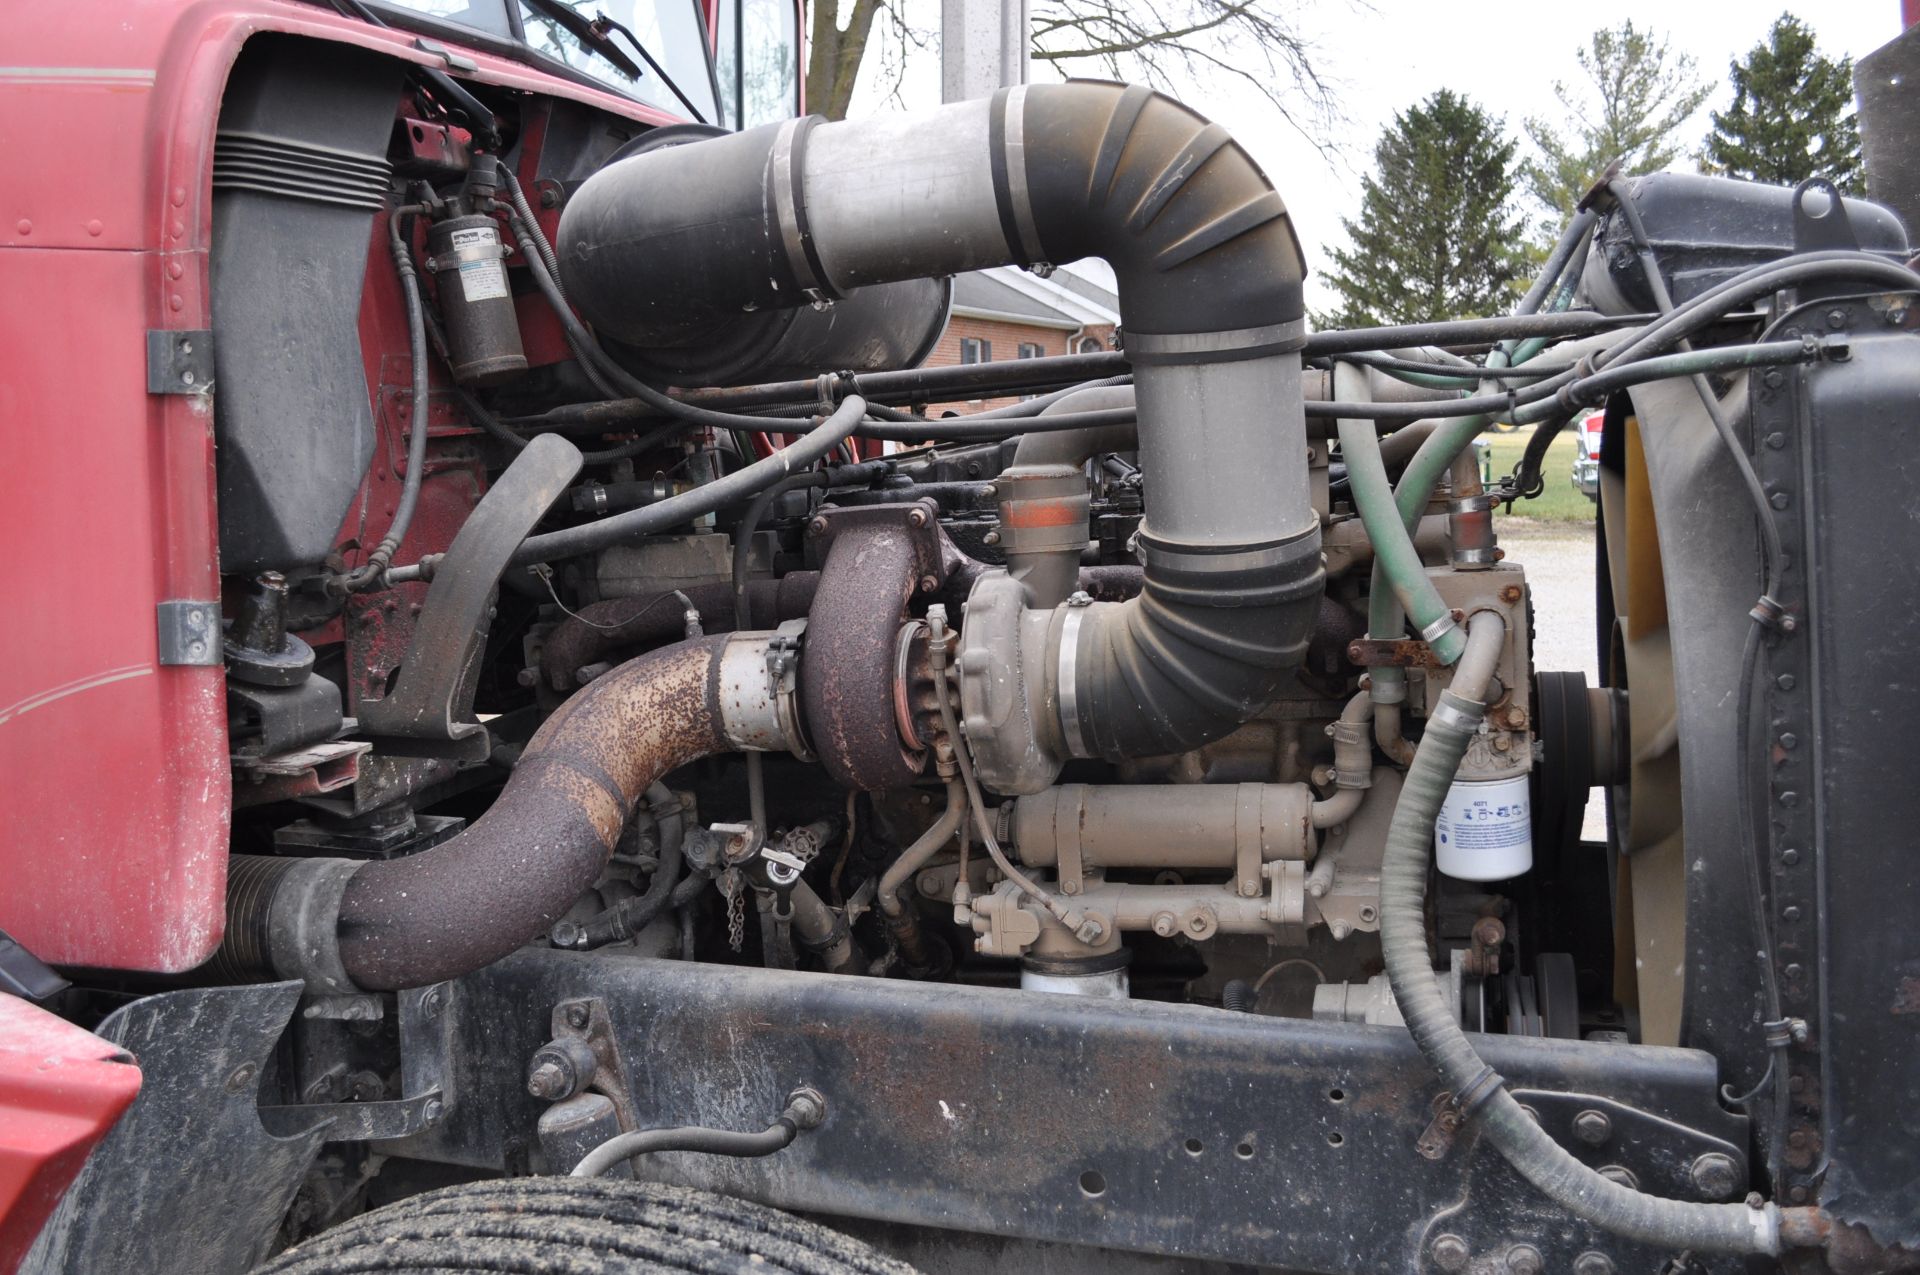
1091	345
975	349
1028	350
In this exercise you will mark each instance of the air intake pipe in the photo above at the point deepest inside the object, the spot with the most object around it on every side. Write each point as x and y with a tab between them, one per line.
1210	277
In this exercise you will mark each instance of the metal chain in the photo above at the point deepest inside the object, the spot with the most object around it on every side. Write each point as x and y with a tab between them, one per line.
733	888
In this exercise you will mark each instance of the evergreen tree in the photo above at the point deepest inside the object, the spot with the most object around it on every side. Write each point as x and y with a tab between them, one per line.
1435	238
1639	93
1792	115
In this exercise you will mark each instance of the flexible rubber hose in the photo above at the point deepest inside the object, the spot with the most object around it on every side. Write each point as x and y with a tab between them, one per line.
627	919
1393	553
1670	1224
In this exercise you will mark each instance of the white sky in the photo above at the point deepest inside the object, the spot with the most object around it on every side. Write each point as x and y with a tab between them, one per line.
1388	55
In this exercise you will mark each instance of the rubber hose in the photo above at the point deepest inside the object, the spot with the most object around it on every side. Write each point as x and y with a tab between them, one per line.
1393	553
1668	1224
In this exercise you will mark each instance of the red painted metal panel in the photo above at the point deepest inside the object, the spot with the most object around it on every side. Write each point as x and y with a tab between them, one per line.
114	783
61	1089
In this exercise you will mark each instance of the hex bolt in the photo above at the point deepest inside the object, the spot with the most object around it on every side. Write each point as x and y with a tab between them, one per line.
1790	913
1714	1176
1776	440
916	517
1780	500
929	584
1592	1263
1524	1259
433	1111
1789	856
577	1016
1510	594
1592	1127
1450	1253
807	1107
1784	682
991	538
241	1077
1789	741
549	1081
1620	1175
818	527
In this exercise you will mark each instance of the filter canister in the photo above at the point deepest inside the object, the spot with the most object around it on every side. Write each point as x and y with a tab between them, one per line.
1485	830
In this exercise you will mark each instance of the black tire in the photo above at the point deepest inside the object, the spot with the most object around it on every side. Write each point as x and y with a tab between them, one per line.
579	1226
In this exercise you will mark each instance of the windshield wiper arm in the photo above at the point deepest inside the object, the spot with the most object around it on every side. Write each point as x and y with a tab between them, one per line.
590	34
602	24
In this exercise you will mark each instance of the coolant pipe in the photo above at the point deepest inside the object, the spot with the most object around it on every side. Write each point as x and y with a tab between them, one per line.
1477	1091
1352	765
1393	551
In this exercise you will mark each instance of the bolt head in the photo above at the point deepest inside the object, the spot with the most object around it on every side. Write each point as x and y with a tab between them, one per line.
916	517
548	1080
1714	1176
577	1017
1450	1253
1591	1263
1620	1175
1524	1259
1592	1127
929	584
818	527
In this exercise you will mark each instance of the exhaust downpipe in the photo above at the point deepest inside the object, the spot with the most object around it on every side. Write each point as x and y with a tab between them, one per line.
1210	276
347	926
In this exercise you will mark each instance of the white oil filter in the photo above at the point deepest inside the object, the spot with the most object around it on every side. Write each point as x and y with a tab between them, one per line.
1485	830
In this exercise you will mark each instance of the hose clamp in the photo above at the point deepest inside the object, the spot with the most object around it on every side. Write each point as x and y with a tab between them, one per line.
1067	693
1474	1094
1201	347
1438	629
785	163
1014	123
1456	713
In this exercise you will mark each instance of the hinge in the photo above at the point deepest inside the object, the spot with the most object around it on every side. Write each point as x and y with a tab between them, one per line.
190	633
180	362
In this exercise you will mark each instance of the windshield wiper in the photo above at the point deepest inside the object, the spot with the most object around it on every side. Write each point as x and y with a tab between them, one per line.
603	24
589	33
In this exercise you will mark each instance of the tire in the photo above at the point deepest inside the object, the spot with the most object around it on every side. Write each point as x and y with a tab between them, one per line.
579	1226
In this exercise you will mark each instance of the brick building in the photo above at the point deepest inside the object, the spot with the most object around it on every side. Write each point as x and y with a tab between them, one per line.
1007	313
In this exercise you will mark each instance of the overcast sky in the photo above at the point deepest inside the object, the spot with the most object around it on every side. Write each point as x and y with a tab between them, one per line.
1388	55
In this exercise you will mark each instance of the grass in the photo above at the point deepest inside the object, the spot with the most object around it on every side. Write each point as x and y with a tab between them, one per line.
1561	501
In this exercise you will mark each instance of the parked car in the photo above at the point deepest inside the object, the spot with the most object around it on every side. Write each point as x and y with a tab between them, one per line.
1586	456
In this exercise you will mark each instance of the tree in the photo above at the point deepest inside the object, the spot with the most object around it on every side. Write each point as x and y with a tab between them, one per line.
1159	42
1436	237
1638	95
1792	115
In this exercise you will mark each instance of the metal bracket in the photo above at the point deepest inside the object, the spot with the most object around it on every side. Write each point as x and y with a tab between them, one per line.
356	1121
189	633
427	713
585	1020
180	362
1382	653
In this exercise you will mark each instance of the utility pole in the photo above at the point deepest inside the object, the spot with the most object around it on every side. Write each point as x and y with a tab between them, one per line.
983	47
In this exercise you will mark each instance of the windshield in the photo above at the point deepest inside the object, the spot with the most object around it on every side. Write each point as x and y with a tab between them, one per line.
763	85
669	32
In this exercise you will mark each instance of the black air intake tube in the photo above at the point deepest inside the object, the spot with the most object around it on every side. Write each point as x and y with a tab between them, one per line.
1210	277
